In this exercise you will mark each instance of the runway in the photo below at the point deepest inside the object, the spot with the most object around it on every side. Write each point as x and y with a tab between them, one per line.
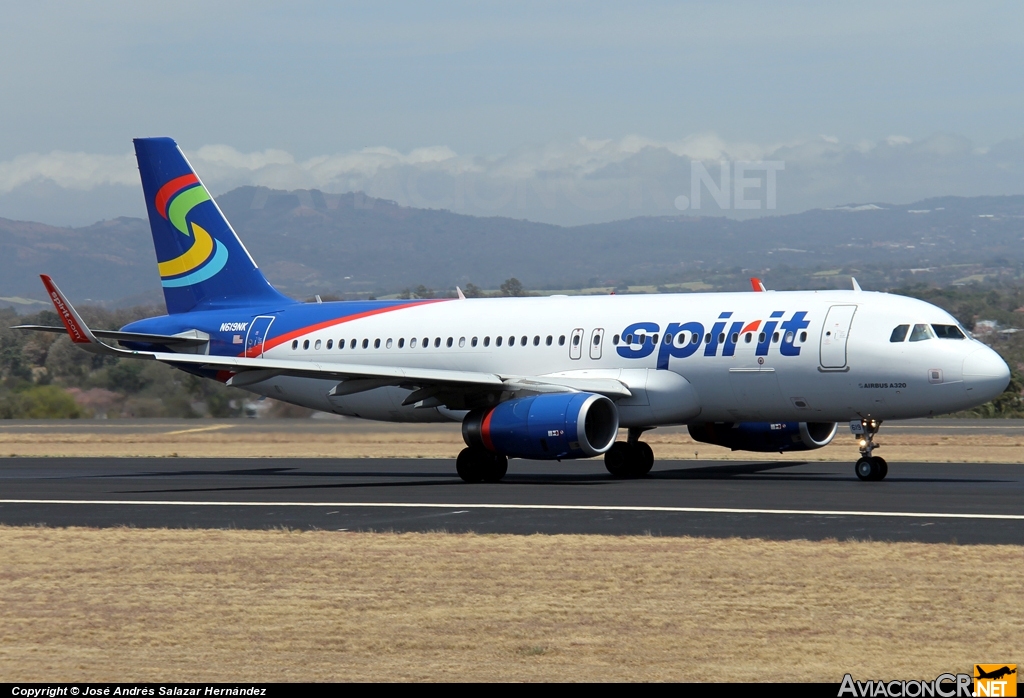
928	502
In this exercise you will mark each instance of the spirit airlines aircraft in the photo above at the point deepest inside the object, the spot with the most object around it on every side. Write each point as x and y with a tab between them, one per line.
545	378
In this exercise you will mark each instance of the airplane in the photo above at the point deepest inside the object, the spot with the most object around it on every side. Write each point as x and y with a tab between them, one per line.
545	377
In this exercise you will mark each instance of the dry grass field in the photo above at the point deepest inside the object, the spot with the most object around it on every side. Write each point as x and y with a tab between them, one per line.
374	440
200	605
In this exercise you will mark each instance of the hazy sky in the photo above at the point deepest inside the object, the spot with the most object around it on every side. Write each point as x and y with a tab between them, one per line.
533	110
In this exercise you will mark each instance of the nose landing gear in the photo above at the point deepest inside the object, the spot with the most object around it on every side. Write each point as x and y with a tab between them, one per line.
869	467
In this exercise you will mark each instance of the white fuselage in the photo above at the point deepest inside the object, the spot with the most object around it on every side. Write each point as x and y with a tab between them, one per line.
835	362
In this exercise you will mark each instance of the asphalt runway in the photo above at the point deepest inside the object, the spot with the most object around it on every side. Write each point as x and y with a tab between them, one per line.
928	502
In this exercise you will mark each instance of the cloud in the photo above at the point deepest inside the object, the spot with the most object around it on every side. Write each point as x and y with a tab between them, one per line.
585	179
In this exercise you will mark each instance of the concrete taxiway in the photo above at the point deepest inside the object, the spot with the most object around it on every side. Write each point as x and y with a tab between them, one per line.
929	502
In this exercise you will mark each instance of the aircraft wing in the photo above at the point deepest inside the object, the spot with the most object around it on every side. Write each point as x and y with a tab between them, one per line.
355	378
442	386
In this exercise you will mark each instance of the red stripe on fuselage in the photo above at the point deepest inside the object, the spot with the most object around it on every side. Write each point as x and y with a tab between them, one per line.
485	431
170	189
254	352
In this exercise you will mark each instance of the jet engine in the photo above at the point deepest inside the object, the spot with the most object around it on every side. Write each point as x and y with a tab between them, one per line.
765	436
547	426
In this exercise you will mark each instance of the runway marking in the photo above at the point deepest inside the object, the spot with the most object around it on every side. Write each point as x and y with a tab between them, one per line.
537	507
216	427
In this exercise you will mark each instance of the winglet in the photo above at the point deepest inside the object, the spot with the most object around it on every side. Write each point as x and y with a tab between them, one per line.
462	296
78	331
856	286
756	284
76	327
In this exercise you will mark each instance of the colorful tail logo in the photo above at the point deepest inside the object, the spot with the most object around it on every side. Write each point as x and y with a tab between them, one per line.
206	256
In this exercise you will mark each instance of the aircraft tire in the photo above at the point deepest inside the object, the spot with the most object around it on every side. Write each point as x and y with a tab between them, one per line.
871	469
471	464
618	458
496	468
644	458
865	469
882	466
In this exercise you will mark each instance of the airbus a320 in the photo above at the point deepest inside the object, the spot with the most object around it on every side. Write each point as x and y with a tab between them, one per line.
545	377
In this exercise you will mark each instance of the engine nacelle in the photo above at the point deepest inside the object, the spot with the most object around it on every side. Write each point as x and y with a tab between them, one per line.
548	426
765	436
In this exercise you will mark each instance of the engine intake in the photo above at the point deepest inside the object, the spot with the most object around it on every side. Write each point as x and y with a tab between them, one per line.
765	436
549	426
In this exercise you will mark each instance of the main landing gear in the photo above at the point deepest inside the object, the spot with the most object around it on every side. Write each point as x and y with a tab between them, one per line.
629	459
480	465
869	467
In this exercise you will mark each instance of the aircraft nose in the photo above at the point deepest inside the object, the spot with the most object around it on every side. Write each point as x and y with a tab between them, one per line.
986	375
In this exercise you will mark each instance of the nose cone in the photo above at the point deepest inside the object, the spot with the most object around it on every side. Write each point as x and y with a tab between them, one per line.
986	375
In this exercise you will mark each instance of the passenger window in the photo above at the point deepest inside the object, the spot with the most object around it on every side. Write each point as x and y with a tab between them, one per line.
721	338
536	340
388	343
317	345
548	340
511	341
654	339
366	343
473	342
487	341
761	337
522	341
401	342
462	342
305	344
748	338
899	334
497	340
775	338
575	340
437	342
412	343
449	342
615	340
695	339
295	344
735	337
561	340
707	338
920	333
426	342
376	343
352	344
803	336
948	332
668	338
629	339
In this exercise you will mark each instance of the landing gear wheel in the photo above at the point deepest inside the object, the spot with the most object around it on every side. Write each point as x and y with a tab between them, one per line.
645	459
495	470
479	465
617	459
872	469
865	469
629	460
883	467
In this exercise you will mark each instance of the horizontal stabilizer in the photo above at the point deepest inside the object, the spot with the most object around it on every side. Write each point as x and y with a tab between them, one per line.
191	339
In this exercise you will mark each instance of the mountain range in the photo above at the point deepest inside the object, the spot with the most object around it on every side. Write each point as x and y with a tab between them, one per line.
308	242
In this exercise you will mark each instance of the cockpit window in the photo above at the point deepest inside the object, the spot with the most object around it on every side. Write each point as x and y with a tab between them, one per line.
948	332
920	333
899	334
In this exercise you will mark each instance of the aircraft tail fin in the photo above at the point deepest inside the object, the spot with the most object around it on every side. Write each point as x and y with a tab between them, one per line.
202	262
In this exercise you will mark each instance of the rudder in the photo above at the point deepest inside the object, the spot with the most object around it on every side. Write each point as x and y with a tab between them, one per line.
202	262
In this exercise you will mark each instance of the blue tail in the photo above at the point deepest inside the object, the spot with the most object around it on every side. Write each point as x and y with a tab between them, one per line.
202	262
